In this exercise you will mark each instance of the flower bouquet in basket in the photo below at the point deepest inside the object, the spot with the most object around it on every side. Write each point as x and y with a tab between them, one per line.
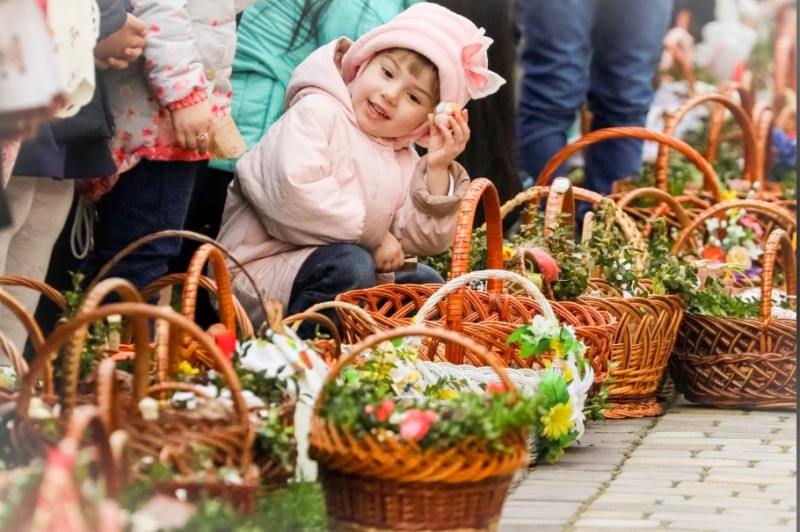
398	453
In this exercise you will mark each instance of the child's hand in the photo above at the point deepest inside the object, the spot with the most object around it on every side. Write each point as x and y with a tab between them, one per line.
194	127
447	141
122	47
389	255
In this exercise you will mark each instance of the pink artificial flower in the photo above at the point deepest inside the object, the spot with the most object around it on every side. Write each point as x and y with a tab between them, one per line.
751	223
495	387
416	424
369	409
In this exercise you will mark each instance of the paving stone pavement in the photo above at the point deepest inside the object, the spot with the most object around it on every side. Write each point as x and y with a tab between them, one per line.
694	468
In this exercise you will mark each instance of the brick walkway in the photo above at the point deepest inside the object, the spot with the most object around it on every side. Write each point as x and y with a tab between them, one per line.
694	468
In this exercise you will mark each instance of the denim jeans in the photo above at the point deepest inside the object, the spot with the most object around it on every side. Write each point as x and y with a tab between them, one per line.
602	51
152	196
336	268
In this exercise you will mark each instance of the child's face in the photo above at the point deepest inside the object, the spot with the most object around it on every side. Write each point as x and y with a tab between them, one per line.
389	100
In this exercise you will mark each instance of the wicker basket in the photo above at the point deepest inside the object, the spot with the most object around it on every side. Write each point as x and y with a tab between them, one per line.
742	362
168	437
18	363
487	316
396	485
646	331
231	312
58	501
641	214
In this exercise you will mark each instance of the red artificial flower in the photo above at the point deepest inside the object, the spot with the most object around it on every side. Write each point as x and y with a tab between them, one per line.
714	254
416	424
384	410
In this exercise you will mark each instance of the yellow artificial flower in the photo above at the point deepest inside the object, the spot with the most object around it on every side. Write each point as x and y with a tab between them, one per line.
728	195
557	348
187	369
565	369
508	253
558	421
449	394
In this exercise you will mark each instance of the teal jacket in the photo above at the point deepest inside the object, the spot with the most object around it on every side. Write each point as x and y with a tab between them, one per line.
263	66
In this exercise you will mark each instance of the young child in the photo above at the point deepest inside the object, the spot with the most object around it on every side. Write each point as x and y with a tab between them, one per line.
334	194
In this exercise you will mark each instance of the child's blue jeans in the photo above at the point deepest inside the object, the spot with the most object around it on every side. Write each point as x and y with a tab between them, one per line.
336	268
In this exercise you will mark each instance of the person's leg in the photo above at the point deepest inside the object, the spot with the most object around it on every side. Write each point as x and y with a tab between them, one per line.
329	271
627	46
152	196
555	60
28	250
204	216
424	274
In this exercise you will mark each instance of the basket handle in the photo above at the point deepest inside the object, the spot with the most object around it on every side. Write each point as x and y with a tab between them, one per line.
139	312
777	238
300	317
207	253
717	119
711	182
177	233
43	288
172	279
451	337
342	306
770	209
84	418
764	120
35	335
785	60
561	199
748	135
480	189
454	319
668	202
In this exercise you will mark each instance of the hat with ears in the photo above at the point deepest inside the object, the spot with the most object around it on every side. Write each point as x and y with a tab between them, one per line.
451	42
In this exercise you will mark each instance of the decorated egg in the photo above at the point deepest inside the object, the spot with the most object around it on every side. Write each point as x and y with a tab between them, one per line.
443	111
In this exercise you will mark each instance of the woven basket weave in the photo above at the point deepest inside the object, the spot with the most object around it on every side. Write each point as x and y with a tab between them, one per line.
742	362
487	316
396	485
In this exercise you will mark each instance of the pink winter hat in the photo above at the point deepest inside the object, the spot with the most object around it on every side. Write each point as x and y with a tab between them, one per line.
451	42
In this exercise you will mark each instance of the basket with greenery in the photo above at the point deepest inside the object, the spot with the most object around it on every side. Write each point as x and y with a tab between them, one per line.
400	457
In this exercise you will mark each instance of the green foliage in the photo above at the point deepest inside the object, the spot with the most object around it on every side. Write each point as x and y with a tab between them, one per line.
611	252
682	175
371	399
670	274
570	256
714	300
477	255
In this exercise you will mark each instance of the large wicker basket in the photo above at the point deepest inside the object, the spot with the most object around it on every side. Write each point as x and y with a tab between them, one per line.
396	485
742	362
170	437
487	316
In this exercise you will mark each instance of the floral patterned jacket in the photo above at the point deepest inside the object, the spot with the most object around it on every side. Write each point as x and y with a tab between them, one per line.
187	59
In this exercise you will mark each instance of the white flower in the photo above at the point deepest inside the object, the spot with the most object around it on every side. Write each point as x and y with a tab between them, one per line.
148	407
180	494
38	410
231	476
712	224
544	326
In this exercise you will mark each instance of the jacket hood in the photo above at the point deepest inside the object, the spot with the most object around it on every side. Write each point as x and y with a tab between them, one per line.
321	73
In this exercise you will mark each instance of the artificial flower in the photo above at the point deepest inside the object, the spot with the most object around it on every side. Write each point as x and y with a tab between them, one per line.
558	421
495	387
416	423
186	369
545	326
148	407
739	255
728	195
713	253
508	253
445	393
752	224
385	410
560	364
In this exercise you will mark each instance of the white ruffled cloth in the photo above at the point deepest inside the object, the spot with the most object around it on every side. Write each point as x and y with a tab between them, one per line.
778	299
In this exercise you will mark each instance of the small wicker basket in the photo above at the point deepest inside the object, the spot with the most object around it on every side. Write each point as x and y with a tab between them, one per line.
396	485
